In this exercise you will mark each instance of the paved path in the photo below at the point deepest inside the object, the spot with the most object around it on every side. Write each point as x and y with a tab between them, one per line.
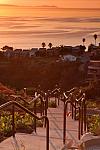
36	141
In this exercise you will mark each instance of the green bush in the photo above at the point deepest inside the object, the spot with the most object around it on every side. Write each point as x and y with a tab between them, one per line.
94	124
30	91
23	123
3	98
91	104
52	104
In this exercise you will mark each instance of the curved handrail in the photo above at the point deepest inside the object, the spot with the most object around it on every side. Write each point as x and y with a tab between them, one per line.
68	94
64	122
71	90
14	103
32	101
76	104
18	96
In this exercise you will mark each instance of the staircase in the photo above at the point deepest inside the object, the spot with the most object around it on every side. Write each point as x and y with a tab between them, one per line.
36	141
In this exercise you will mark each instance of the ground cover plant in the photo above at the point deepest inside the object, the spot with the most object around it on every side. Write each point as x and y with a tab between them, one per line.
52	104
23	123
94	124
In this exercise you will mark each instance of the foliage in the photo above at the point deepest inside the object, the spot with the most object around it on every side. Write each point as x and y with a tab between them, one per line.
23	123
52	104
47	72
30	91
3	98
91	104
94	124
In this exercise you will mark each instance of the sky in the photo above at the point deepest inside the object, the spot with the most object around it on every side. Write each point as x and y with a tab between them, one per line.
58	3
26	27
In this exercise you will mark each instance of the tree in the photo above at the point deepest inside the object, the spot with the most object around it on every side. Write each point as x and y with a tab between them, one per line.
95	37
43	44
83	41
50	45
7	48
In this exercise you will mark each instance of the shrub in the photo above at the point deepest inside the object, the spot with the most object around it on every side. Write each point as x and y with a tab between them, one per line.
3	98
52	104
94	124
23	123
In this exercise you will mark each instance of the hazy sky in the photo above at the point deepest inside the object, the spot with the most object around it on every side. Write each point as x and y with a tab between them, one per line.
59	3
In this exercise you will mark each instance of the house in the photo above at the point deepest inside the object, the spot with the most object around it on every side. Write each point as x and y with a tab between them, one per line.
50	52
25	53
32	52
95	51
65	50
84	58
8	53
94	69
78	50
56	51
41	52
17	52
69	58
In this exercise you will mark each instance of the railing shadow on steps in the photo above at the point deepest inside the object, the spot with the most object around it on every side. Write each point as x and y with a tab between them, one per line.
13	104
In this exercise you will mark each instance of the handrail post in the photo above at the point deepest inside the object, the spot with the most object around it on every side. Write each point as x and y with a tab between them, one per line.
47	133
79	128
45	112
58	96
46	98
82	117
72	111
75	110
13	120
64	124
85	118
42	106
35	118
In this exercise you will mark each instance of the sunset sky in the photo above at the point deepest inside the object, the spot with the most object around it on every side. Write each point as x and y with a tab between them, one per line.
58	3
26	27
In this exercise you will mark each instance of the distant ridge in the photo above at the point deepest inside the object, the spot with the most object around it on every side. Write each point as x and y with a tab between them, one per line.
8	5
45	6
42	6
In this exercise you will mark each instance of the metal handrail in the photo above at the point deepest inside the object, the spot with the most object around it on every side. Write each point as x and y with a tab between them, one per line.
81	106
64	122
69	93
32	101
14	103
15	96
71	90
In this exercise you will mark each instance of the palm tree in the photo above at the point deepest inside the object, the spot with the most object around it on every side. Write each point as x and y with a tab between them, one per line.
95	37
83	41
43	44
50	45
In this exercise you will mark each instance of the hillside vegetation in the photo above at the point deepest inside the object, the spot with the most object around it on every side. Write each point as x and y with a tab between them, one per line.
19	73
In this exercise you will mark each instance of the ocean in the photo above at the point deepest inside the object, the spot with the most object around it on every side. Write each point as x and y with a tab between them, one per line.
27	27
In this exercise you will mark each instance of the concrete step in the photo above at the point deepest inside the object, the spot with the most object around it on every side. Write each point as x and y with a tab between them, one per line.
37	141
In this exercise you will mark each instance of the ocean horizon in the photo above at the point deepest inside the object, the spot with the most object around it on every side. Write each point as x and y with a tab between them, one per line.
28	26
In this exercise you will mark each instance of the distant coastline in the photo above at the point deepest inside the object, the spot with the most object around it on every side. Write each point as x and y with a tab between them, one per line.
47	6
